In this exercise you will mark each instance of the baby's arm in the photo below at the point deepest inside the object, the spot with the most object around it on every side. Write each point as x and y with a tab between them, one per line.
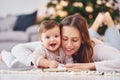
39	58
48	63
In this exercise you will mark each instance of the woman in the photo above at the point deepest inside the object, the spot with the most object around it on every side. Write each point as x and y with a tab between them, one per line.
88	54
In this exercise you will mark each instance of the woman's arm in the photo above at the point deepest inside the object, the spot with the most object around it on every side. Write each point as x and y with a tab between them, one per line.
82	66
106	58
108	65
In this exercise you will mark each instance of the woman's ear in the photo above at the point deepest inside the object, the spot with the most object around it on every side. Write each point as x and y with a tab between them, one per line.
82	42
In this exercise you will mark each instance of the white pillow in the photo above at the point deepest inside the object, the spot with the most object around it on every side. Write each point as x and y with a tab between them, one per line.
7	23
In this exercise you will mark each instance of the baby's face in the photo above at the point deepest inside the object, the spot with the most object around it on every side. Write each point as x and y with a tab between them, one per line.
51	38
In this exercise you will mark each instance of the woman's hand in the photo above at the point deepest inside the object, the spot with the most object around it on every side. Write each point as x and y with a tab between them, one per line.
83	66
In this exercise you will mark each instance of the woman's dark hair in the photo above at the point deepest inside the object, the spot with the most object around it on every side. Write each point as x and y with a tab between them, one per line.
85	52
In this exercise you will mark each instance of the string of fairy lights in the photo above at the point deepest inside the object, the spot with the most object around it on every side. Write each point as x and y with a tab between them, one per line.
58	9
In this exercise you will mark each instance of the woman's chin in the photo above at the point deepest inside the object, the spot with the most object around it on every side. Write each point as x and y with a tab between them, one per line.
68	53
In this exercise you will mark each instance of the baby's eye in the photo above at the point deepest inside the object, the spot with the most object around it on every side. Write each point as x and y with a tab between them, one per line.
56	36
47	37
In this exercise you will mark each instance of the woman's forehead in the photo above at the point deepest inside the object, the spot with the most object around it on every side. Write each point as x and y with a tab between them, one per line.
70	31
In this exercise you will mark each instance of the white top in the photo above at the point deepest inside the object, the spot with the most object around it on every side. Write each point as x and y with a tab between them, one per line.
105	57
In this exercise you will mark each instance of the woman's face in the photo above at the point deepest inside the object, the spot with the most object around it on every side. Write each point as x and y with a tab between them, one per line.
71	40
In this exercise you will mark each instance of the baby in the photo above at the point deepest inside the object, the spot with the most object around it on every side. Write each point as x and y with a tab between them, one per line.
49	53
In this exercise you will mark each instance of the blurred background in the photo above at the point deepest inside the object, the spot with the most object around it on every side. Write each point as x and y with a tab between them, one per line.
60	8
26	14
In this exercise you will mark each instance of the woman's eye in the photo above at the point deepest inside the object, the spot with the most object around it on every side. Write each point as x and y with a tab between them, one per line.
74	40
65	39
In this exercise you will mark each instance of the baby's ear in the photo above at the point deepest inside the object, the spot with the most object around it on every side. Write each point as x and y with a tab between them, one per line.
40	39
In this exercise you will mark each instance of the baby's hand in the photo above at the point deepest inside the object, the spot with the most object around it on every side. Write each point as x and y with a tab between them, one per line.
61	66
53	64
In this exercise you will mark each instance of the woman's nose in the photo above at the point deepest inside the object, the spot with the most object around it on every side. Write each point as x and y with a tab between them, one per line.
69	44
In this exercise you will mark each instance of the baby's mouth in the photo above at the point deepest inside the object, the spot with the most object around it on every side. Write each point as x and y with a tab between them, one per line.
53	44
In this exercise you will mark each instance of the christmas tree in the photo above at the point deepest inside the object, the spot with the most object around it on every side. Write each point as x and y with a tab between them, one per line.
58	9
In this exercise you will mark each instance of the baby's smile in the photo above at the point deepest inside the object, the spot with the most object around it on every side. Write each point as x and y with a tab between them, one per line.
53	45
